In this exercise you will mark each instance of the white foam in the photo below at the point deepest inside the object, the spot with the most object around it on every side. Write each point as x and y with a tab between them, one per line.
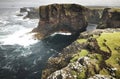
3	21
21	37
62	33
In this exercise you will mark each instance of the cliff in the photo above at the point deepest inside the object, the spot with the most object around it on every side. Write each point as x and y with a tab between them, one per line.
110	18
93	55
94	15
68	18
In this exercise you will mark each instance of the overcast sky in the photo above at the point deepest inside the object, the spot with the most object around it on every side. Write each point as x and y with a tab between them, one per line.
18	3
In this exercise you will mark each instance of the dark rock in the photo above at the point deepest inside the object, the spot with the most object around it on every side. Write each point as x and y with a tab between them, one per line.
32	13
61	18
110	18
19	14
24	9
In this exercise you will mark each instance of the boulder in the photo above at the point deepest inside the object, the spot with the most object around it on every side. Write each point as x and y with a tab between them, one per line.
67	18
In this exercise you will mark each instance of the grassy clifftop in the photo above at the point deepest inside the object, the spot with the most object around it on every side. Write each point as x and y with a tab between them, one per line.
92	55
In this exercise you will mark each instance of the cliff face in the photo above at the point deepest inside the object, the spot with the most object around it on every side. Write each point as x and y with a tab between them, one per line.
94	15
92	56
61	18
110	18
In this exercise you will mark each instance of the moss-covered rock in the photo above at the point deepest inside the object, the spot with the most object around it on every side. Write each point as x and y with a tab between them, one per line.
82	53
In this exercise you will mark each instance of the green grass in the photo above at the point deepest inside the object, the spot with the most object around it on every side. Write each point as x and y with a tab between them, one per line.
112	40
96	56
81	40
104	72
82	53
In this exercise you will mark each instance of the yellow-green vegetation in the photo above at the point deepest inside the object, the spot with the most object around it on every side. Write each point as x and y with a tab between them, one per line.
73	72
81	75
96	56
96	61
115	10
81	40
82	53
118	74
104	72
112	40
109	43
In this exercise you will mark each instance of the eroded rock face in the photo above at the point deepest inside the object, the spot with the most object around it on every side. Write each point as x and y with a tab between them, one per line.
61	18
110	18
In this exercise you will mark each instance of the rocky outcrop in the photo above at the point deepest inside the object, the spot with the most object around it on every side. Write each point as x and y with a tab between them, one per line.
24	9
68	18
32	13
92	56
110	18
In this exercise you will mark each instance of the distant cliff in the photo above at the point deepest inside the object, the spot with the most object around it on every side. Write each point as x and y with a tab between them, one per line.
110	18
32	13
68	18
94	15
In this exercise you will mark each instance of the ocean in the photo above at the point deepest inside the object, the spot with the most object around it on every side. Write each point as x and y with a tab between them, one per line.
22	56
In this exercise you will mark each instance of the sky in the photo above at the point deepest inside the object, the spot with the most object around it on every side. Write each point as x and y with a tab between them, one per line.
22	3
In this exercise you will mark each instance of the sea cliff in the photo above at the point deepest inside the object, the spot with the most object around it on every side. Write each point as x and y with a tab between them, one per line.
94	54
67	18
